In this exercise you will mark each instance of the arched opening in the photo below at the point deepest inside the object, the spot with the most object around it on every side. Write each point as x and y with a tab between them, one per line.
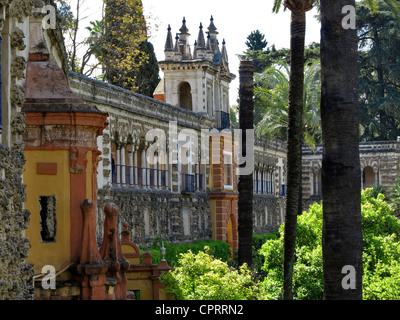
317	182
369	177
185	96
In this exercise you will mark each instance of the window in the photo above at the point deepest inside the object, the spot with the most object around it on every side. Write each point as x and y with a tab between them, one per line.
48	223
185	96
228	172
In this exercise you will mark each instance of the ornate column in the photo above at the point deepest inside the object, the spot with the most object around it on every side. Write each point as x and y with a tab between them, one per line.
376	175
118	164
123	166
135	168
129	149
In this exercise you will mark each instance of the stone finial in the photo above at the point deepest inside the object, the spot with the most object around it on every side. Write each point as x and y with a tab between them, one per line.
169	45
184	28
212	28
201	43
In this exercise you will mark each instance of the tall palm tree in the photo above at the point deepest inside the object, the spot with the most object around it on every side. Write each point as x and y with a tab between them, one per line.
341	174
337	228
298	10
245	184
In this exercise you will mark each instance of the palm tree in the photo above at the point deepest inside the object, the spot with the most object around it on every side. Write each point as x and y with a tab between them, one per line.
336	224
298	10
245	184
341	173
272	93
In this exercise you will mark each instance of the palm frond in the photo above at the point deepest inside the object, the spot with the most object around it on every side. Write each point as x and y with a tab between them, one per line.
277	6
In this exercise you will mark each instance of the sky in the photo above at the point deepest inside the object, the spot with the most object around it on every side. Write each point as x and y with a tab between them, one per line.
234	19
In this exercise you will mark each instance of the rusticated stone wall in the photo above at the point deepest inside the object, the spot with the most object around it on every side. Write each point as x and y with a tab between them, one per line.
177	218
15	274
268	213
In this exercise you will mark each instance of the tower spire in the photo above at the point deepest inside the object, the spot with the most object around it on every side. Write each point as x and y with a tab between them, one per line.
201	43
184	28
169	45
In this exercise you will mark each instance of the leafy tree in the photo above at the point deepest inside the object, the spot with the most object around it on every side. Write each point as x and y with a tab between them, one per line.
379	72
381	253
64	14
124	32
202	277
147	77
267	58
256	41
272	95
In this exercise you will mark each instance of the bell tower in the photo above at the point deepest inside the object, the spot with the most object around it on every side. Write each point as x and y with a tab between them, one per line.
197	77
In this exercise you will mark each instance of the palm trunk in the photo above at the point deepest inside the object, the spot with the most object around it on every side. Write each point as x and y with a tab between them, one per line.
341	174
294	173
245	185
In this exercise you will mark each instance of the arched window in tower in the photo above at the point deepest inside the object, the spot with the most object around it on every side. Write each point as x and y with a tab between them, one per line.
185	96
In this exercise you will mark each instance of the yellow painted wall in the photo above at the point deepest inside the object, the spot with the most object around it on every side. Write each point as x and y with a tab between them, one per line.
55	253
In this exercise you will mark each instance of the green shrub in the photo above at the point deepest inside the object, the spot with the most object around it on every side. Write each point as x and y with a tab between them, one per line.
381	253
218	249
202	277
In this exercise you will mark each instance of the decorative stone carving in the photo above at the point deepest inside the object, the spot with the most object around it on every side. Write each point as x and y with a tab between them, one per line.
17	95
18	67
17	39
20	9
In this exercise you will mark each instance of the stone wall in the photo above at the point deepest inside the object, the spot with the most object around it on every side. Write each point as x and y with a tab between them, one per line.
268	213
15	273
176	218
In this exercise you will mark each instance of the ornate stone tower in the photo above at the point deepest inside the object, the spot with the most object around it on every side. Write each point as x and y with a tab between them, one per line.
197	80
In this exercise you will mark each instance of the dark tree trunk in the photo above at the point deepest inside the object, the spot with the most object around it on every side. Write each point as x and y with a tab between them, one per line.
245	185
295	139
341	175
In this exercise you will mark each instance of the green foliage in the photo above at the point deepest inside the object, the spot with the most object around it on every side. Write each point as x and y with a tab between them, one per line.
65	16
381	253
272	100
124	32
202	277
395	197
219	249
256	41
379	189
379	72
